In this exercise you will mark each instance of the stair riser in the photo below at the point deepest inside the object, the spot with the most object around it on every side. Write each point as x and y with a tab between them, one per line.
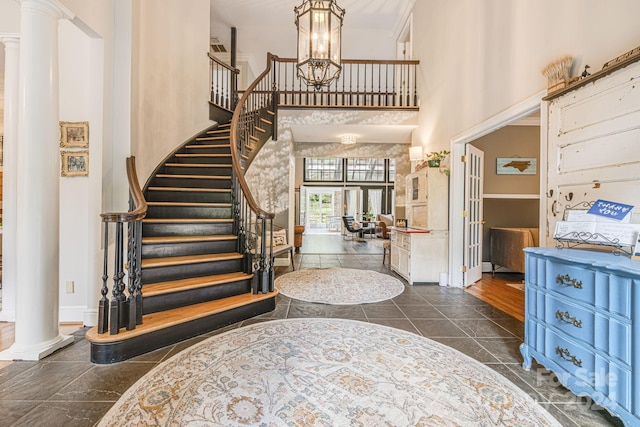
187	271
186	170
163	229
194	296
123	350
203	150
191	248
191	182
223	160
188	212
187	196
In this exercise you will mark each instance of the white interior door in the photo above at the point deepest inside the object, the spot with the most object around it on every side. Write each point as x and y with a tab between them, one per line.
473	214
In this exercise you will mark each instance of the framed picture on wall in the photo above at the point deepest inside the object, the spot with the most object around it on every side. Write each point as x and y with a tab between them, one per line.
74	163
74	134
516	165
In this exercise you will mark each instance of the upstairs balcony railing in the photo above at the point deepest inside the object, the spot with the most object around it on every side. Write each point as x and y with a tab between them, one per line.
363	84
223	83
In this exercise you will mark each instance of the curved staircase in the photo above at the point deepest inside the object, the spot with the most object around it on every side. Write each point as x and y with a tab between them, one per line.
194	276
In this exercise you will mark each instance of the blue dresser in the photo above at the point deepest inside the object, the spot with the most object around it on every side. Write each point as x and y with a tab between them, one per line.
582	321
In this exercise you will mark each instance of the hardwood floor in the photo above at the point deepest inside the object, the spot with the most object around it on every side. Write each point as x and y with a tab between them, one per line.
495	291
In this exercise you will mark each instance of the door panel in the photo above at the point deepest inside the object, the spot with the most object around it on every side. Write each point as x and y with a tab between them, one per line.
473	219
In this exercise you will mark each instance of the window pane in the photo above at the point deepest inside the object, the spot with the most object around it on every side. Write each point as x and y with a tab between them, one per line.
317	169
392	170
365	170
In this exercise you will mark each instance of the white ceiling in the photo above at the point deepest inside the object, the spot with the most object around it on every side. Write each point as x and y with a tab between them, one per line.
370	27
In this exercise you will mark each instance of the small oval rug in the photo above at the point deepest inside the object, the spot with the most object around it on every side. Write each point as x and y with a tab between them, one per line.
323	372
339	286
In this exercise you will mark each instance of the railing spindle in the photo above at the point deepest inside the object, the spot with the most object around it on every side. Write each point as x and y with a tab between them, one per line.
103	305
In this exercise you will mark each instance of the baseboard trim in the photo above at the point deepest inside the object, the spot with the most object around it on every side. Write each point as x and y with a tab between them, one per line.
72	313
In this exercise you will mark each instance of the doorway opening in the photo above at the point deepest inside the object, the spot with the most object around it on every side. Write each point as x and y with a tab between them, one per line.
321	209
524	113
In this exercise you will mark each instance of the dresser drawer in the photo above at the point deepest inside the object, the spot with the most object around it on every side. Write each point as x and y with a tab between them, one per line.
572	281
401	240
571	319
572	357
606	378
609	335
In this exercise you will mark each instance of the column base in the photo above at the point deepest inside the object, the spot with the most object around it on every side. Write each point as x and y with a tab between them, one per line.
37	352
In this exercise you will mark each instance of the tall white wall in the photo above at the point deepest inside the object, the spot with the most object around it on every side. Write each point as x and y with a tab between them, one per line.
9	16
477	58
9	24
170	77
81	99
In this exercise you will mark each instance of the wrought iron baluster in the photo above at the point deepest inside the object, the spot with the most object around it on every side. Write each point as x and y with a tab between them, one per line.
103	305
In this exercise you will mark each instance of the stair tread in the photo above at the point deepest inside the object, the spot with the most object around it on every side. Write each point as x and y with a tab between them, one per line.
164	319
211	138
162	288
186	220
191	204
198	165
191	189
167	175
208	146
188	259
214	155
187	238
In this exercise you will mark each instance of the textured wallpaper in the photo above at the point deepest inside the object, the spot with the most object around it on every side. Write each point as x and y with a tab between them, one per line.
269	173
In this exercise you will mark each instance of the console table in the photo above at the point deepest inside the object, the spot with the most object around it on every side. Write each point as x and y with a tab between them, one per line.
582	314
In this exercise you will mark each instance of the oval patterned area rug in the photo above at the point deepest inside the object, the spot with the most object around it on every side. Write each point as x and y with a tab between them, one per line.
323	372
339	286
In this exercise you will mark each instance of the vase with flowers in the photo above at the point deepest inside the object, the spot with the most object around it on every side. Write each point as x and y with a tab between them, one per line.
435	157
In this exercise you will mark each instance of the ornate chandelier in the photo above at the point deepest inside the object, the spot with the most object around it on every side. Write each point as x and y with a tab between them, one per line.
319	41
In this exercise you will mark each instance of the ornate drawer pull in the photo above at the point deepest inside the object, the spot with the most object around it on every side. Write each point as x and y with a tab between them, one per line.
566	280
566	317
566	355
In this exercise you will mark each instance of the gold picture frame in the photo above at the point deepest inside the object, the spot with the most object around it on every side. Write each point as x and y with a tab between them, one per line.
74	134
74	163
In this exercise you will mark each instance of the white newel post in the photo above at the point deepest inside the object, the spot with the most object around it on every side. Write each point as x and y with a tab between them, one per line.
11	44
38	163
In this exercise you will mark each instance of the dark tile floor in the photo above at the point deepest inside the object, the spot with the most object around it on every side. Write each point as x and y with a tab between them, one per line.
65	389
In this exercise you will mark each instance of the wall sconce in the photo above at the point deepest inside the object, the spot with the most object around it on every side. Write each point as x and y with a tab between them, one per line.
415	153
348	139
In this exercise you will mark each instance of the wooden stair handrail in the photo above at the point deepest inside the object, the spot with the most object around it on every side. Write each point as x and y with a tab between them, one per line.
364	61
222	64
260	213
139	201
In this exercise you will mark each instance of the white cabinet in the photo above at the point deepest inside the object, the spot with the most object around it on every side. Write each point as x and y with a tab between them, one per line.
419	253
427	199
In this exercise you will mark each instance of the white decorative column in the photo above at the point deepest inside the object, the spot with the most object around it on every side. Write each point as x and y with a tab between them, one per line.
11	44
37	290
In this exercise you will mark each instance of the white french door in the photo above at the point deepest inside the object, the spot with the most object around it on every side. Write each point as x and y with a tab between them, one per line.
473	222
